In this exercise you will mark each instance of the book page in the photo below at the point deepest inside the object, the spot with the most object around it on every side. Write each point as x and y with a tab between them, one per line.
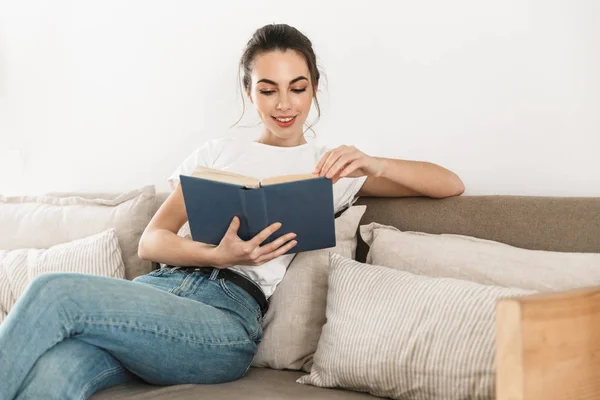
225	176
287	178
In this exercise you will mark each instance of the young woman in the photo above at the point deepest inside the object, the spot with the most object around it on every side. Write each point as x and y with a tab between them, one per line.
71	335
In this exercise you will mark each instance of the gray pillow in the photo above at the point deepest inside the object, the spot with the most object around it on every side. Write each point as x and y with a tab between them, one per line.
292	325
479	260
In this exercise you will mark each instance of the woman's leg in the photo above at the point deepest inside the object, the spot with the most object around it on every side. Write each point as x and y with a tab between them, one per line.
161	337
73	369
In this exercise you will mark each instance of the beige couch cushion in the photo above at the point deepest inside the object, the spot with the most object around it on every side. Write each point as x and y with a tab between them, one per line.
98	254
404	336
478	260
44	221
257	384
292	325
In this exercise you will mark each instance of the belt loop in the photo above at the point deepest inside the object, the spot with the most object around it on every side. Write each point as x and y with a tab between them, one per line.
214	274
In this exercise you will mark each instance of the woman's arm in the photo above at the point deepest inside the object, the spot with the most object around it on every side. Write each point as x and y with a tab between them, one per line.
387	177
402	178
160	242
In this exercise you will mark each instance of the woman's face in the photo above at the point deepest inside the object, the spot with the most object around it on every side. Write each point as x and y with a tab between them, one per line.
282	94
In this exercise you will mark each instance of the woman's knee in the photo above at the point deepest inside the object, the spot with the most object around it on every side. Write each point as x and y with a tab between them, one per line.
56	285
51	282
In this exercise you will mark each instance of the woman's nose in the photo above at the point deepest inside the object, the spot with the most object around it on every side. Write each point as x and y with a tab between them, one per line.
283	103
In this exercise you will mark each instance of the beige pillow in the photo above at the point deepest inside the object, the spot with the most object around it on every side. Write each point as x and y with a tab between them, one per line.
292	325
44	221
98	254
479	260
404	336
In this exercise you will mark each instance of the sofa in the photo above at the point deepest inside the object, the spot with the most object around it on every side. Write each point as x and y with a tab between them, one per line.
557	224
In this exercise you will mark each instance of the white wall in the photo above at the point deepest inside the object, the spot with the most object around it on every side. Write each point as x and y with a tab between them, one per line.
112	95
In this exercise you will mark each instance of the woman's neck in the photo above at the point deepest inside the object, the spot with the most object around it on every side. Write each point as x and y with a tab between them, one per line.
271	140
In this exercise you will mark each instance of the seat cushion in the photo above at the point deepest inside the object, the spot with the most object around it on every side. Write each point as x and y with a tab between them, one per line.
258	384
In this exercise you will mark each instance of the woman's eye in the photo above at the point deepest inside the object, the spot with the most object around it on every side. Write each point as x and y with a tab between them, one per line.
270	92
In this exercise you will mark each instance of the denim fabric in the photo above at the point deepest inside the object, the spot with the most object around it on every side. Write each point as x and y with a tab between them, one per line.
71	335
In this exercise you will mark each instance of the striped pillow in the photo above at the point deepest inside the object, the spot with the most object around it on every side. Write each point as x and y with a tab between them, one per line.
98	254
399	335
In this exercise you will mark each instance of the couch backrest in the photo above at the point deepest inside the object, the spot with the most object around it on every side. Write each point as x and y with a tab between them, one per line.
570	224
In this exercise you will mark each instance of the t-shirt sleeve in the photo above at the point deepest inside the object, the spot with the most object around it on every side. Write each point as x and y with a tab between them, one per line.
202	156
345	192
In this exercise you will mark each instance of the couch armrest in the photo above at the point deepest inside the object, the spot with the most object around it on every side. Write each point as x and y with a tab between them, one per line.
548	346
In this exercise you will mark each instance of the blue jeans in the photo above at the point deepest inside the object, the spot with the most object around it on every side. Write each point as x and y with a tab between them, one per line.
71	335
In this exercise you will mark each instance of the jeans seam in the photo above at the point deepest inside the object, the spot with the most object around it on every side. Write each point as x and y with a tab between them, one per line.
234	296
107	373
246	371
181	288
158	333
255	334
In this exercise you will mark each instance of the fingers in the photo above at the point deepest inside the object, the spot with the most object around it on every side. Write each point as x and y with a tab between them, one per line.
255	252
274	245
354	165
341	163
251	252
264	234
258	255
233	226
333	157
321	162
279	252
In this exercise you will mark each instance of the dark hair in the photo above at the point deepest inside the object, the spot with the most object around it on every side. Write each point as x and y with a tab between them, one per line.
279	37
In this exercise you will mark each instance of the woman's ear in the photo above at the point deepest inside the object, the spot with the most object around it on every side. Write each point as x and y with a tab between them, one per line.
249	97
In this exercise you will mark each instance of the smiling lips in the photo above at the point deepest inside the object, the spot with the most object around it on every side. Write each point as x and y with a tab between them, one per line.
285	121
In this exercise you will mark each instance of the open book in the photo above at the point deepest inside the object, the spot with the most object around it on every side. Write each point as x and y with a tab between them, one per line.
247	181
302	203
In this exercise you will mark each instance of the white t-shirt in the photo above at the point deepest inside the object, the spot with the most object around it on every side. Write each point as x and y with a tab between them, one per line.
262	161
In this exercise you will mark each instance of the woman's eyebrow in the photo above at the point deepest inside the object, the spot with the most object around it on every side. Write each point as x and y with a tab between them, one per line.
270	82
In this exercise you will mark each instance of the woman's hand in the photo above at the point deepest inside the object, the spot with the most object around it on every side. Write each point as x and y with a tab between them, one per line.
234	251
348	161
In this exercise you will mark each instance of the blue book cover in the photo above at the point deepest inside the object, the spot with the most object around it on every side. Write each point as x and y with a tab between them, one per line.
303	206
